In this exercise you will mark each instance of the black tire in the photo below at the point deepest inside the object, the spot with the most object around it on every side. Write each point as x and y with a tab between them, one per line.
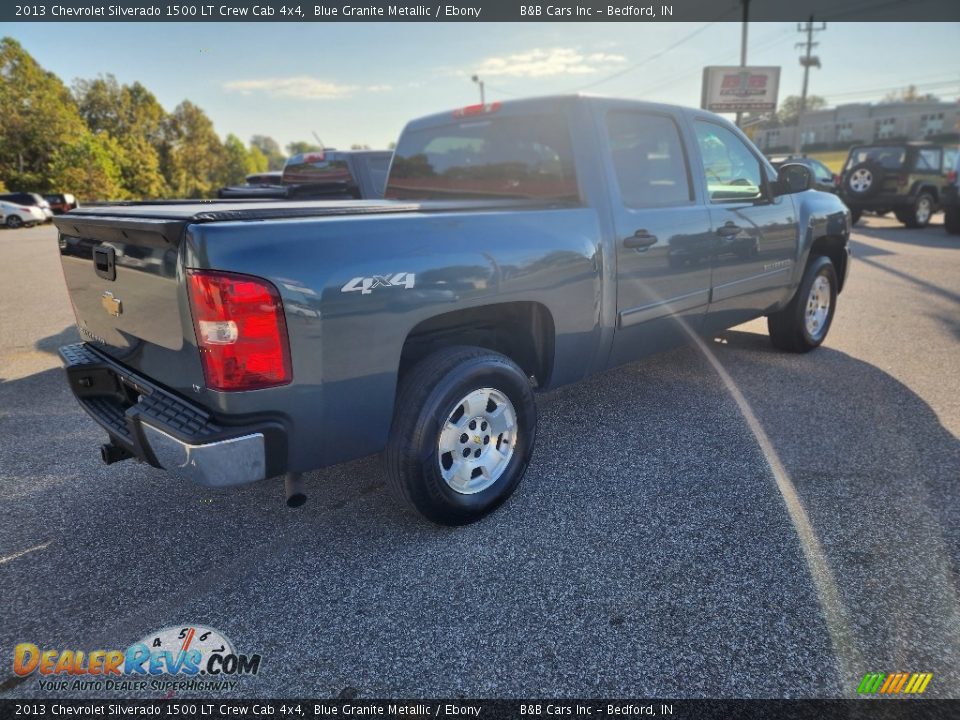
430	393
788	327
14	221
918	216
951	220
855	215
863	181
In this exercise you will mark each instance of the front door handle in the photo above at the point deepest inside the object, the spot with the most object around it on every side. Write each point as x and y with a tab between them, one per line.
640	240
728	229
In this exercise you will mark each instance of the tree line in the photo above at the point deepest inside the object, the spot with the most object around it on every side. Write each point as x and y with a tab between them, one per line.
102	140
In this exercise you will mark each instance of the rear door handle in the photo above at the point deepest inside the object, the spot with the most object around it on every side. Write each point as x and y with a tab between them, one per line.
728	229
640	240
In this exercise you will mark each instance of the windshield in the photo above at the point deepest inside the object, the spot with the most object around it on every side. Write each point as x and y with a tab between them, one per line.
890	158
519	156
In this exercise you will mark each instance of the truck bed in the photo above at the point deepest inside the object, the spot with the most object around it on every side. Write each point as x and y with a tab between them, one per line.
170	217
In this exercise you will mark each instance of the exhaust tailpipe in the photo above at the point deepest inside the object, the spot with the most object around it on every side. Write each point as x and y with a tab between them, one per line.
111	453
293	487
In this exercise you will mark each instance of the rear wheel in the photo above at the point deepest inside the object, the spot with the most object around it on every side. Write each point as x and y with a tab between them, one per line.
14	221
803	324
462	436
918	216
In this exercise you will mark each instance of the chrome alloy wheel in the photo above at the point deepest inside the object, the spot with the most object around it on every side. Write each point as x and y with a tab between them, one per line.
477	441
924	210
861	180
818	307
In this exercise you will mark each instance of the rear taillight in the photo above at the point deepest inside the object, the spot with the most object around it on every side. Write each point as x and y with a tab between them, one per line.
26	209
952	176
836	181
241	332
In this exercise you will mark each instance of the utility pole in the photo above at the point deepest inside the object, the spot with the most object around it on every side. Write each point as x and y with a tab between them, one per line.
478	81
807	61
743	42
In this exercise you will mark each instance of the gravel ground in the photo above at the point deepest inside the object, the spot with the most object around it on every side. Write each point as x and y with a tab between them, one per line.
661	545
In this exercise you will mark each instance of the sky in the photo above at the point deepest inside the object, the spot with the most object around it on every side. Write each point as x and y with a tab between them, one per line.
360	82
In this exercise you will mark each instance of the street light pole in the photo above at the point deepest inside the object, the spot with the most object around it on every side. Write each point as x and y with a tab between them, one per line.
478	81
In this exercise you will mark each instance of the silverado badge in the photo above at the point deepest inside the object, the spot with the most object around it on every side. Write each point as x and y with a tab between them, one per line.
111	304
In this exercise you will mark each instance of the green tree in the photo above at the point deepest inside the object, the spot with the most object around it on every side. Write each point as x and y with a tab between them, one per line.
258	161
909	94
238	161
193	159
270	149
87	167
38	120
789	111
298	147
131	115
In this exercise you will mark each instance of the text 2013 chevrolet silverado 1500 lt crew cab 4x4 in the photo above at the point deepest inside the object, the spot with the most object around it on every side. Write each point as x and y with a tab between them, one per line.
521	245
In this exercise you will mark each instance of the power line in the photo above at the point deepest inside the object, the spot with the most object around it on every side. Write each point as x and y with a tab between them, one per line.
656	55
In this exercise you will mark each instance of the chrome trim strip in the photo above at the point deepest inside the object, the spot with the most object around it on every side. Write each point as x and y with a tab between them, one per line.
682	303
746	285
235	461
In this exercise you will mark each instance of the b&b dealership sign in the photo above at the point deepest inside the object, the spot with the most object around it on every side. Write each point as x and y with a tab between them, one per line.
738	89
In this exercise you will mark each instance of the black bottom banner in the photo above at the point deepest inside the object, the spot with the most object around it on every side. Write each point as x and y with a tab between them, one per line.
894	709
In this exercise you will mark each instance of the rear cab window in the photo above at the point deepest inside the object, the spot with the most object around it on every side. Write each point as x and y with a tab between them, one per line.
648	159
520	156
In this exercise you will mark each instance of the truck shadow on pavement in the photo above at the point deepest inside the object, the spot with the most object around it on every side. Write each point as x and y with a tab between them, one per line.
647	553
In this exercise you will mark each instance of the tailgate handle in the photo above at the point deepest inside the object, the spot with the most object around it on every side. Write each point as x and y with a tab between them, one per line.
104	262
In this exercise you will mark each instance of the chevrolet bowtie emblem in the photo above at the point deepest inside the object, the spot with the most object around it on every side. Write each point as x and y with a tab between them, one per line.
111	304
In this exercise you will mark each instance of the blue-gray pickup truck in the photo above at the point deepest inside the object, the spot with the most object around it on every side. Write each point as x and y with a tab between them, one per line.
521	246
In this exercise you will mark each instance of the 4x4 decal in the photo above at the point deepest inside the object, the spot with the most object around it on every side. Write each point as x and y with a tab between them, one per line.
366	285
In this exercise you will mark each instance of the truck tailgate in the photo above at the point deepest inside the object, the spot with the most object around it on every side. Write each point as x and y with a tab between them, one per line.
124	281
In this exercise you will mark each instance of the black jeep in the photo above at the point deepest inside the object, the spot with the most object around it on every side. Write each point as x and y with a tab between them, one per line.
906	178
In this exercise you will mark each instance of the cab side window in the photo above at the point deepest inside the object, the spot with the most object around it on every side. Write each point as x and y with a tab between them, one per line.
732	172
648	159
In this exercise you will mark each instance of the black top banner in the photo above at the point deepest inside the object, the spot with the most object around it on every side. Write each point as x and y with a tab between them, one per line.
480	11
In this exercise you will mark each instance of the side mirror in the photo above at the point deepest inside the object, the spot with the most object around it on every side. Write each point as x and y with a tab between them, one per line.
793	178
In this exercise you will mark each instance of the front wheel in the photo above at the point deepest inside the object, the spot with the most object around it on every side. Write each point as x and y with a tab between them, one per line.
14	221
803	324
463	432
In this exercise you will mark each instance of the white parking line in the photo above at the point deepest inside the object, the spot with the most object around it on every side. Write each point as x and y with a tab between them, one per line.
8	558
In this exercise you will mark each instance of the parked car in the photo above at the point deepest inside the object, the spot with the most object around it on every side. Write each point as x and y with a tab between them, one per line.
32	199
950	196
522	245
320	175
61	202
15	215
907	178
823	177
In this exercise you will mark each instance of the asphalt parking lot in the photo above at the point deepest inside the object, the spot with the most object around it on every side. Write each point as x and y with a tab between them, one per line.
777	530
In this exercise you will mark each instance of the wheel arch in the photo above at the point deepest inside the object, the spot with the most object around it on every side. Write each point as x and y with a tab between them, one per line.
524	331
835	248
